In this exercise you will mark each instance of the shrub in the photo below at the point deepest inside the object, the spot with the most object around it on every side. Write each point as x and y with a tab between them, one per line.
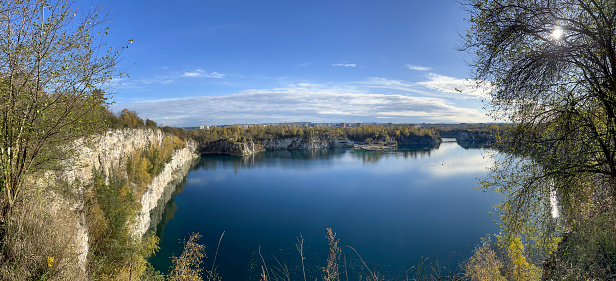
484	265
115	253
187	267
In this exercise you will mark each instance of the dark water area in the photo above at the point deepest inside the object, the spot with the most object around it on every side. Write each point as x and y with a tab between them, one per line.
394	207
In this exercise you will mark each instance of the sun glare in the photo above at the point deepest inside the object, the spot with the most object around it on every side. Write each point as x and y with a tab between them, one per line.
557	33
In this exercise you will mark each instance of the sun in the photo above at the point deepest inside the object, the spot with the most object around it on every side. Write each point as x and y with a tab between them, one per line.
557	33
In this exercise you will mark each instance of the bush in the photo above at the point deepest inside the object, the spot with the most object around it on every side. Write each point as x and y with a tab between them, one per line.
115	253
484	265
588	253
187	267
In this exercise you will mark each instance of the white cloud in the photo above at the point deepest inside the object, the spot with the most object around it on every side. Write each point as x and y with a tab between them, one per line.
464	88
389	84
438	98
419	68
141	84
305	64
201	73
303	104
345	64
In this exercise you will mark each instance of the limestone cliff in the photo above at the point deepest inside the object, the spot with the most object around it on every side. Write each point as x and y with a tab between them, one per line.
475	139
477	136
420	140
172	174
250	147
106	153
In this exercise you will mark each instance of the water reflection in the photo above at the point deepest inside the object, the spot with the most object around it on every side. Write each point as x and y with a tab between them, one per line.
163	213
392	206
306	159
295	159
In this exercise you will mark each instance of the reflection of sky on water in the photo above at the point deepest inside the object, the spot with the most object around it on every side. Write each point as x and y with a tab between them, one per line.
392	206
446	160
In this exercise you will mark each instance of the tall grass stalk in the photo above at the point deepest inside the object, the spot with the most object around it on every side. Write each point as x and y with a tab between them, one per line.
300	249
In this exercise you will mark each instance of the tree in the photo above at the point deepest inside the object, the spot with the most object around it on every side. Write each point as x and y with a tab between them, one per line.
130	119
53	63
150	123
551	66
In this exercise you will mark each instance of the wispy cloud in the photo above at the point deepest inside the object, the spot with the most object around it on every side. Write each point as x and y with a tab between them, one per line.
419	68
460	87
201	73
304	104
389	84
305	64
142	84
345	64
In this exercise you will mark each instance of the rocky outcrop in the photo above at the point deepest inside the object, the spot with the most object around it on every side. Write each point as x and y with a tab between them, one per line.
474	137
231	148
470	139
106	153
420	140
305	142
251	147
172	174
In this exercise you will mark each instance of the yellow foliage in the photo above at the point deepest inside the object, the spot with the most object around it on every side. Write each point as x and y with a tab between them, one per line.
484	265
137	170
522	270
98	223
178	143
142	166
187	267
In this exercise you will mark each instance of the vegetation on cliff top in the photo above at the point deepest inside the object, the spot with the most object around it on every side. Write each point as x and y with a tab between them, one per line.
365	133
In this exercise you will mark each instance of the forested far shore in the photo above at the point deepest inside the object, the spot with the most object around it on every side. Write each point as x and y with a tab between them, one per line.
380	134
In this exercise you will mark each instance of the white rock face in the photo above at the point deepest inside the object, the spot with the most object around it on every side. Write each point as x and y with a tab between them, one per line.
106	153
177	168
250	147
311	142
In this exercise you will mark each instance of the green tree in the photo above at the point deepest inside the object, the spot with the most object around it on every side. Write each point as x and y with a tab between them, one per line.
150	123
551	68
53	63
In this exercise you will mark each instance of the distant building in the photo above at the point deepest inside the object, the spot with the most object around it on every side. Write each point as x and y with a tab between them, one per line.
342	125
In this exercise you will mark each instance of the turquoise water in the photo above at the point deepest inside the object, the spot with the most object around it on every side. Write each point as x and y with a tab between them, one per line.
394	207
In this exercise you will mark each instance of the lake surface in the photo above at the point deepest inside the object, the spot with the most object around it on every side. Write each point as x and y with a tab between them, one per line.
394	207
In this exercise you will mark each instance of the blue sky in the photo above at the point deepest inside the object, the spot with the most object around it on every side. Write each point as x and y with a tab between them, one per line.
258	61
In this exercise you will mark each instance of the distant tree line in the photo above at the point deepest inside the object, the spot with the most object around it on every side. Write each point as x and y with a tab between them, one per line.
130	119
366	133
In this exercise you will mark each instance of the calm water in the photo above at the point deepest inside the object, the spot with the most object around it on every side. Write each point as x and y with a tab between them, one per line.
393	207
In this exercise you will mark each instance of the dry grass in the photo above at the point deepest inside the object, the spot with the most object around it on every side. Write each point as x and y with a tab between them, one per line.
330	272
39	241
